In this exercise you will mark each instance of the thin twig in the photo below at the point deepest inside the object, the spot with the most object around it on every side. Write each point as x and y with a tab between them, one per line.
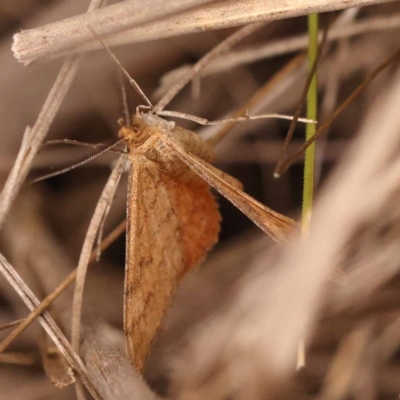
10	325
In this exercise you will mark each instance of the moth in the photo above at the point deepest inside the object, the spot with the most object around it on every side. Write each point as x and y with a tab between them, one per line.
173	219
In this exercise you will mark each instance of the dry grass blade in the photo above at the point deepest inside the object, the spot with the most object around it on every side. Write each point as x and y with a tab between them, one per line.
9	191
100	213
48	324
33	138
30	45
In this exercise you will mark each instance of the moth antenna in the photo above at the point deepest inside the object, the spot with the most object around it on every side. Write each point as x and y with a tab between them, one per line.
124	100
132	82
74	143
185	116
67	169
246	117
300	105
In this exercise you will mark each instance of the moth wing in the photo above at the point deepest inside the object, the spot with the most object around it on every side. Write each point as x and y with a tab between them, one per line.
171	226
276	225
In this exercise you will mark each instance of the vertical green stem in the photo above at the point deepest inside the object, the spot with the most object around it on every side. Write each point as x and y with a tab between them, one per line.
312	97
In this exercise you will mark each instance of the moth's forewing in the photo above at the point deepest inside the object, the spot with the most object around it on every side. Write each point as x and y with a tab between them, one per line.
171	226
276	225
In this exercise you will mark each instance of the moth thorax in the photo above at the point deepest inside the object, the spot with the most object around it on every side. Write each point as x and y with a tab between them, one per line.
166	161
126	133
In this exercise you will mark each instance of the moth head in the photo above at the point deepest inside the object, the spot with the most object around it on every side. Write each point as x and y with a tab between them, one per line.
131	132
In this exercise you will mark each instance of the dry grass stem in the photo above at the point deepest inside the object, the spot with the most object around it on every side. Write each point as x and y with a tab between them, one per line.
101	211
34	44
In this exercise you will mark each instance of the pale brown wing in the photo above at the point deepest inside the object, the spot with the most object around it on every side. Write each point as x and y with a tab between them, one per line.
278	226
171	226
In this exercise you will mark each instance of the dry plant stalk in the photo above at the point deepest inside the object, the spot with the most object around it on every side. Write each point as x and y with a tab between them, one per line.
100	213
58	38
107	20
